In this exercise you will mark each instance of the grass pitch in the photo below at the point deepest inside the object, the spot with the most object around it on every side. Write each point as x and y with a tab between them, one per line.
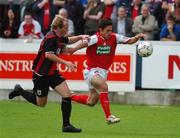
23	120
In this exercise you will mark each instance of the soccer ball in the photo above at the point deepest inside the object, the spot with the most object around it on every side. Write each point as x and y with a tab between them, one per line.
145	49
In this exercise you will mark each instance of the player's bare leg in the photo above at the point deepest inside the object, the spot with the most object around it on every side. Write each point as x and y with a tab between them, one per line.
93	97
63	90
41	101
100	84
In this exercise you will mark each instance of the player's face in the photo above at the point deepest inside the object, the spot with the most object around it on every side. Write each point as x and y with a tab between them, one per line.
106	32
65	28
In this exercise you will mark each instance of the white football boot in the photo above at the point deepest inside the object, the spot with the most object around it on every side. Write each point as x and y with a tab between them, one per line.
112	120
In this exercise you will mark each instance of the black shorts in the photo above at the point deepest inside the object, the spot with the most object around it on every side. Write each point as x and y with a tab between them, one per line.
42	83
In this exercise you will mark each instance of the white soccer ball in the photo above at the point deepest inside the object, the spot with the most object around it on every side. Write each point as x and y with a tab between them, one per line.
145	49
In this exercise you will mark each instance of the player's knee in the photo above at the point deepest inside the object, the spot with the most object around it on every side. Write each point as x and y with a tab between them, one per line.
41	104
103	87
91	104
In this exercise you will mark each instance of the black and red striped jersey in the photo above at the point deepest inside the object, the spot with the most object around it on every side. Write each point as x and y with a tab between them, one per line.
50	44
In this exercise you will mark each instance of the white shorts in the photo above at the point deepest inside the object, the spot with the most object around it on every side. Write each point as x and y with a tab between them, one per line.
89	74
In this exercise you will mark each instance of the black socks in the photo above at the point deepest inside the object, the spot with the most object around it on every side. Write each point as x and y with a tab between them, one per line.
66	110
30	97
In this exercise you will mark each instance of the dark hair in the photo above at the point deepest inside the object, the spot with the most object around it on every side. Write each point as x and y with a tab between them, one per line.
28	13
170	17
103	23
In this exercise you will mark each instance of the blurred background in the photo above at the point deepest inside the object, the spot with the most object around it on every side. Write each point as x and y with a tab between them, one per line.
154	80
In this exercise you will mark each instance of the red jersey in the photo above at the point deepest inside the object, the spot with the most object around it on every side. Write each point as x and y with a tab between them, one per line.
100	52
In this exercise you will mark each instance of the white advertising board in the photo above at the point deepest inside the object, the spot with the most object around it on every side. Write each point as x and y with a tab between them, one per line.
16	58
162	69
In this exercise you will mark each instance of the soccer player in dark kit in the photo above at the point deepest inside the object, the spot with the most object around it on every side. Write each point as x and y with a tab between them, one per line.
45	73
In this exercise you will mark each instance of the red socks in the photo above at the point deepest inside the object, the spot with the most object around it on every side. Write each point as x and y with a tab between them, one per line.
82	98
104	100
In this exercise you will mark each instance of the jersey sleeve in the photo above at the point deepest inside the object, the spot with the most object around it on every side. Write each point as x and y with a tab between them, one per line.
93	40
65	39
121	39
50	45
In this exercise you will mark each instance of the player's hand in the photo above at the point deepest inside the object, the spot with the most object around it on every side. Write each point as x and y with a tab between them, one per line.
85	37
139	36
85	41
71	66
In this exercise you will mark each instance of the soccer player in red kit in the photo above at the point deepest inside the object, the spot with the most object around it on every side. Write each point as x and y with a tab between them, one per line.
100	53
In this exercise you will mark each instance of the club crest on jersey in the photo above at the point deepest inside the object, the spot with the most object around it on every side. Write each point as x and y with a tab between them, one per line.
58	51
103	50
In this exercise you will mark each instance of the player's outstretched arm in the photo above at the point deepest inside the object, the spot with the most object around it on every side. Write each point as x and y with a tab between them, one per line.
72	50
86	42
82	44
74	39
134	39
55	58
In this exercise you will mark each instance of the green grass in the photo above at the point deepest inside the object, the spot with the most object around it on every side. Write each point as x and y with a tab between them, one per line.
23	120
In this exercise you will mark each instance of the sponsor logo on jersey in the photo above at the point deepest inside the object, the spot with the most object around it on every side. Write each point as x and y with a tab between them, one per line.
103	50
58	51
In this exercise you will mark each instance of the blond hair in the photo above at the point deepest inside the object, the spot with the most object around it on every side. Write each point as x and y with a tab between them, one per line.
58	22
